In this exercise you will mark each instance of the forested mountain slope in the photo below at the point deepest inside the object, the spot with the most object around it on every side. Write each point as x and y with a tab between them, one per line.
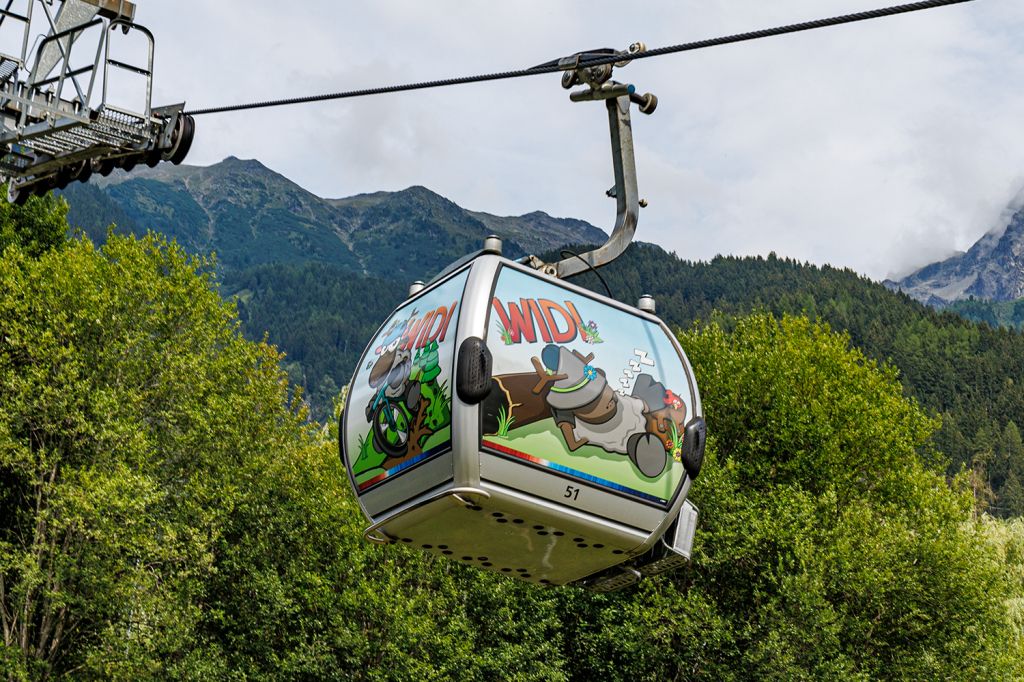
994	313
970	374
320	315
318	275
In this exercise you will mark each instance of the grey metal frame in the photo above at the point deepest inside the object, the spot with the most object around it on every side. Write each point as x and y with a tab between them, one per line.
42	131
487	270
617	97
374	533
418	507
627	197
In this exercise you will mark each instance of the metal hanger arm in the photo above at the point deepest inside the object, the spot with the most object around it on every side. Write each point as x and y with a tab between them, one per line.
627	199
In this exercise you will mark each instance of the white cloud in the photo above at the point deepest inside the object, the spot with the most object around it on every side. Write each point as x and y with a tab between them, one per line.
879	146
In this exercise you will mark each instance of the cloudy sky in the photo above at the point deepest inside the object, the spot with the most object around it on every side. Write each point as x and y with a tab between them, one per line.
880	146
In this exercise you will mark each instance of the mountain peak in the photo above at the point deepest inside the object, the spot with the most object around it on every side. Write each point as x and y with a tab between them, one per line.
233	162
419	189
993	269
422	193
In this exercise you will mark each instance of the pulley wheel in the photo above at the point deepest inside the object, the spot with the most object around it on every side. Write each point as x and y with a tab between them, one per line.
85	172
184	132
64	176
41	187
17	195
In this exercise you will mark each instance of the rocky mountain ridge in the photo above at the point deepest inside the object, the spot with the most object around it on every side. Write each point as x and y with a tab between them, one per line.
250	215
992	269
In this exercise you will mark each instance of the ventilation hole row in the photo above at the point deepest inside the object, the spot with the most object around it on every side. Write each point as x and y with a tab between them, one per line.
444	548
581	543
486	563
500	517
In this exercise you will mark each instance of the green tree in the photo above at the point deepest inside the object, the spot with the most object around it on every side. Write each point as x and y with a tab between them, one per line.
121	376
36	227
830	545
166	512
1007	537
1012	496
1017	316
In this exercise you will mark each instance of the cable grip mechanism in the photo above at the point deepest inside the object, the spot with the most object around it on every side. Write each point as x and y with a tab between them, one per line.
598	85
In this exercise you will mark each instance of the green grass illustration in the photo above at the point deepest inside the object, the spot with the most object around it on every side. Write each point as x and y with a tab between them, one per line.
677	443
505	421
506	335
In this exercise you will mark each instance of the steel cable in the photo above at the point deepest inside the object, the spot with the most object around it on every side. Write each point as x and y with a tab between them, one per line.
553	67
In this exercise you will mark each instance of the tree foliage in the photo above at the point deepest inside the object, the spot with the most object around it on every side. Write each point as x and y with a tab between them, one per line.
826	548
36	227
320	314
168	512
128	400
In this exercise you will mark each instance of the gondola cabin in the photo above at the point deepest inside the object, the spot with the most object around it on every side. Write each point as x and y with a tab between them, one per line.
521	424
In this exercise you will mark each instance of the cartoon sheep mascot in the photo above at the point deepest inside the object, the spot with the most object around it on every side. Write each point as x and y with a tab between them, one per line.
588	411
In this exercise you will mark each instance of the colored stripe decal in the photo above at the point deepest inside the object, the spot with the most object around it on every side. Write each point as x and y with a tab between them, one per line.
399	468
604	483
